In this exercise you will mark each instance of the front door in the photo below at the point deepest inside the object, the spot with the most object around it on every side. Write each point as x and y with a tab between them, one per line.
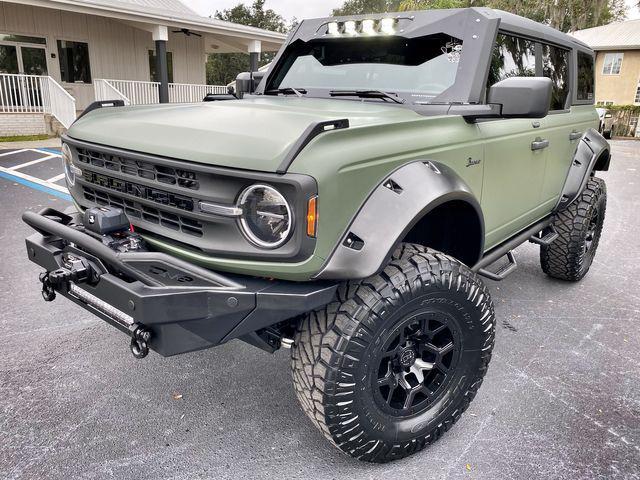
33	60
515	153
9	59
24	59
514	173
16	58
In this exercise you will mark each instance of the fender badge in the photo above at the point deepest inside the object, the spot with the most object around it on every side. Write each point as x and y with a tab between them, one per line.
471	162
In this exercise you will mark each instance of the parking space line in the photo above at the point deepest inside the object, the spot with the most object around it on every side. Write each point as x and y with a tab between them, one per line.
14	151
33	162
35	183
56	178
50	150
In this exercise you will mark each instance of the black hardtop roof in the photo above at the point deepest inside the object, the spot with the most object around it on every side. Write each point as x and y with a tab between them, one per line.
518	24
508	22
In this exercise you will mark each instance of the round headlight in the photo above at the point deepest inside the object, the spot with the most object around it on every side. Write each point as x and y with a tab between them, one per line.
266	218
67	163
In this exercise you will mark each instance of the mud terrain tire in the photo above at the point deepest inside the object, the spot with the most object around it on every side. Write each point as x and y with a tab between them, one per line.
579	227
425	317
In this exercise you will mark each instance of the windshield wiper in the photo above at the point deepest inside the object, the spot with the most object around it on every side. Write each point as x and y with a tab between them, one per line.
365	94
288	91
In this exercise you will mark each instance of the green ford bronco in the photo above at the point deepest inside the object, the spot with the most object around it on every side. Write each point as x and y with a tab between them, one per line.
344	204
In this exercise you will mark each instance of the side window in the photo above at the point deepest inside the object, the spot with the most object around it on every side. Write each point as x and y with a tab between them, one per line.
612	63
555	65
585	76
512	57
74	62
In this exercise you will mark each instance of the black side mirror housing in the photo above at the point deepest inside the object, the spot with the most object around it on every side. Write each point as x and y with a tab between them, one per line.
522	97
247	82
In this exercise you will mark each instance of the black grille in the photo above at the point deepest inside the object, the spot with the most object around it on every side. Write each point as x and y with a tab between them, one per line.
140	191
159	173
149	214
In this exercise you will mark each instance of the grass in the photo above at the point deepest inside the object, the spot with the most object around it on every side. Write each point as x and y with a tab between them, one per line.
24	138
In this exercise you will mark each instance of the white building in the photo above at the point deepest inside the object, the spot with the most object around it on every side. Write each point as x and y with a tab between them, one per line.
58	56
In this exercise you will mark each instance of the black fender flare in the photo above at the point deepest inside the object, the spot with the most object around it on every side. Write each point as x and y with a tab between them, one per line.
592	153
390	212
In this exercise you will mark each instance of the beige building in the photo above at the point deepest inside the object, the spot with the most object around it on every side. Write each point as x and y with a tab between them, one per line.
617	47
58	56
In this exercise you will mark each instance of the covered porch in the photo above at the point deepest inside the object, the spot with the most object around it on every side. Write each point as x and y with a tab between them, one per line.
58	56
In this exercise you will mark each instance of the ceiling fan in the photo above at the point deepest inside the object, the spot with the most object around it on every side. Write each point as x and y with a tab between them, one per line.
187	32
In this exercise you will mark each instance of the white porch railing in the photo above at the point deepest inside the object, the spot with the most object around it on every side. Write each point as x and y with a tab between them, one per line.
61	103
191	93
135	92
36	94
105	91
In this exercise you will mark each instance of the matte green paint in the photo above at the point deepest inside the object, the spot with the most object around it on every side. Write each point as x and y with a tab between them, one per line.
521	186
515	186
251	134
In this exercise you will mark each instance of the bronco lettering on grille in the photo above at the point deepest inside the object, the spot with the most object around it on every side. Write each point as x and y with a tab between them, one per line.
140	191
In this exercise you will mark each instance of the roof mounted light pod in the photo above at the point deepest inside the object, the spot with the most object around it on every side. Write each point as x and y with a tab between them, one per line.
369	26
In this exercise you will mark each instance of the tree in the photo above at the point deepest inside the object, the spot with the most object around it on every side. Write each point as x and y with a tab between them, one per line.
360	7
223	68
564	15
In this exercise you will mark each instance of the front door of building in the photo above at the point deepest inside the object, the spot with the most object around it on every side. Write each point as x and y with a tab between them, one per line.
17	58
25	59
33	60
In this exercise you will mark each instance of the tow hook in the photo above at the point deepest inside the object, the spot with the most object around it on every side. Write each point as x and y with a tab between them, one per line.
76	269
139	340
48	293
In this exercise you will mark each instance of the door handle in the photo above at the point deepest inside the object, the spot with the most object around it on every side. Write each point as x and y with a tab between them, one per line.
575	135
539	144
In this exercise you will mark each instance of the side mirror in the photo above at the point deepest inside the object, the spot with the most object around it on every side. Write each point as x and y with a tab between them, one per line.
247	82
522	97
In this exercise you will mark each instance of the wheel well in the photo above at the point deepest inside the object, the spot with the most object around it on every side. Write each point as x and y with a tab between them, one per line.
602	163
453	228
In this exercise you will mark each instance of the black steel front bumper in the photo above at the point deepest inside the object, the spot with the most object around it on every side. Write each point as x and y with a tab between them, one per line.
179	306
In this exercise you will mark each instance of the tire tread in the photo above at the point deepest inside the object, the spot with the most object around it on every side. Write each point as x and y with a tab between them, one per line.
564	258
325	341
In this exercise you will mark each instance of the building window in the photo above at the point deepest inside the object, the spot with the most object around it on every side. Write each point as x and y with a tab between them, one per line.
612	63
74	62
585	77
152	66
637	100
555	65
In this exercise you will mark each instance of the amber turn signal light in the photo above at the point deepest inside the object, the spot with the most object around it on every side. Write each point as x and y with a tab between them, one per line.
312	216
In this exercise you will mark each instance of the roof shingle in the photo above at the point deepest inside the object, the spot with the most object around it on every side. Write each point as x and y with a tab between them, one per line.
620	35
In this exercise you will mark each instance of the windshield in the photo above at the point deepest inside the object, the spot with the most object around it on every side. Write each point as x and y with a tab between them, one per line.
421	67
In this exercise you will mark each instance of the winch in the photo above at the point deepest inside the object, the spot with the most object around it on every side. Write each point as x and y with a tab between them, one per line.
112	227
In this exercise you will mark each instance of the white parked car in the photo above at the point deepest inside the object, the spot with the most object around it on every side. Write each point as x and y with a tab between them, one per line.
606	122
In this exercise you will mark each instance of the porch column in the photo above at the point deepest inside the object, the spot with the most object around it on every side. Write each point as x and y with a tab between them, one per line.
160	36
254	48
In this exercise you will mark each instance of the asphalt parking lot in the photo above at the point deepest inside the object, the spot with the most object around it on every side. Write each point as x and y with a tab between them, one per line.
561	399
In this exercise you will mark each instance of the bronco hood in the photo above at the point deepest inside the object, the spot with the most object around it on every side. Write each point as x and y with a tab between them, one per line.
253	134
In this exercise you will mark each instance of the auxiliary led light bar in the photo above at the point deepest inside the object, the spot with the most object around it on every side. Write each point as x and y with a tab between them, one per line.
102	306
385	26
